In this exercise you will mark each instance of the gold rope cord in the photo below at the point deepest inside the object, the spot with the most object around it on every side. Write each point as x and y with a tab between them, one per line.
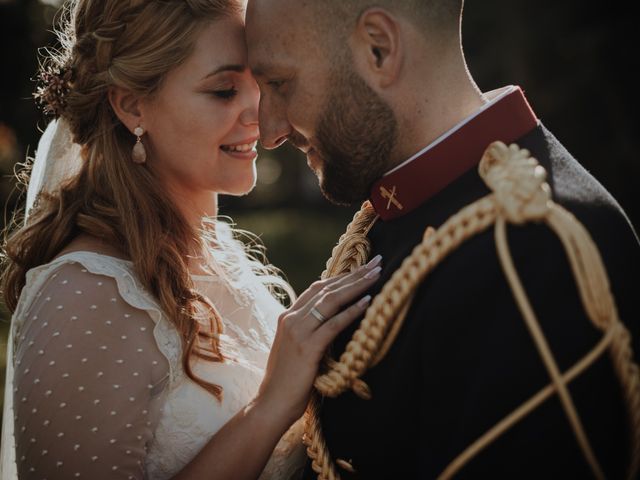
523	410
543	348
520	195
352	250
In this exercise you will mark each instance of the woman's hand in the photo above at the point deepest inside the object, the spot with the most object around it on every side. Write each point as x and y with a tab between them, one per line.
305	331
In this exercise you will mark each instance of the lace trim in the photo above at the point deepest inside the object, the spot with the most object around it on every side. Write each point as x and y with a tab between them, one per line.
129	288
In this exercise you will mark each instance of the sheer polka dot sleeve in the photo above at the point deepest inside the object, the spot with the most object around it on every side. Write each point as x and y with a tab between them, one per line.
88	379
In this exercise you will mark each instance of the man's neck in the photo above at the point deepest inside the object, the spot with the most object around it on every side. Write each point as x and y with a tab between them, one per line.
488	99
438	112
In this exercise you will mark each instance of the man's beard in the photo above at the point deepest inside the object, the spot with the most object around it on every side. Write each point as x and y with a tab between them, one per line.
355	135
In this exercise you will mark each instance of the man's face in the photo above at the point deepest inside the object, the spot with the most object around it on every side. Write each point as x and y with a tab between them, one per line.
316	100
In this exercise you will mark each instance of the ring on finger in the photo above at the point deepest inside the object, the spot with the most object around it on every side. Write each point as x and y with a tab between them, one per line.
319	316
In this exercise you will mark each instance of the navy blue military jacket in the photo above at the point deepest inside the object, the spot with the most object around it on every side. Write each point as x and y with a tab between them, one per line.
464	359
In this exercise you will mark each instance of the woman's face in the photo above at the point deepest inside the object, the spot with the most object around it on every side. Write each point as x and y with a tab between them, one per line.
202	124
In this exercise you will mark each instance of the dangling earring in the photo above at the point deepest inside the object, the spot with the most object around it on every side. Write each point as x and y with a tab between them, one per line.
139	154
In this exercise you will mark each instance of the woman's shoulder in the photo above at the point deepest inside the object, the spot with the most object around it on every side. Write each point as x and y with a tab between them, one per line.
94	294
71	307
86	272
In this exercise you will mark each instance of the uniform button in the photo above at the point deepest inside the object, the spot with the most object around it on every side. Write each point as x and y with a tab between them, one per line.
346	465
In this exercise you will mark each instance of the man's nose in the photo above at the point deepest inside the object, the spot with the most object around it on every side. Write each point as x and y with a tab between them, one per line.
274	126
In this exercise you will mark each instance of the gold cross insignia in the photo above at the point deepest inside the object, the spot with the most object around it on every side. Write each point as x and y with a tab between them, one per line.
391	195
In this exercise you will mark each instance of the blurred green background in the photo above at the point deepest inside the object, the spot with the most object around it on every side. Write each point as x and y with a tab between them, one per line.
573	59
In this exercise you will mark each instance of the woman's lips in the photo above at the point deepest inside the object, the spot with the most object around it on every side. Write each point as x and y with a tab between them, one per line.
242	150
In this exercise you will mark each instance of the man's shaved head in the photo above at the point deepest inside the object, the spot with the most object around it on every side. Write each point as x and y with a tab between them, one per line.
337	16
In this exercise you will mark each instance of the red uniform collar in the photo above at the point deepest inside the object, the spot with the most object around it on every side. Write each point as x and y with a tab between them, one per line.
407	187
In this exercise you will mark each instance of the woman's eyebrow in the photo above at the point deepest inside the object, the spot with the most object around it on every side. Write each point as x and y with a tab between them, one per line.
227	68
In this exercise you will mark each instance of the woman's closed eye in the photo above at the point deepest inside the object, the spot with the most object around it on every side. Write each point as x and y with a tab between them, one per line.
226	94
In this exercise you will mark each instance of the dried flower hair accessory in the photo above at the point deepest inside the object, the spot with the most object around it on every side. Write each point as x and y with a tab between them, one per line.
53	86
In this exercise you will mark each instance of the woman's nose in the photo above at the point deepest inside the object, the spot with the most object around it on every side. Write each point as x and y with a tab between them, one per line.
249	115
274	126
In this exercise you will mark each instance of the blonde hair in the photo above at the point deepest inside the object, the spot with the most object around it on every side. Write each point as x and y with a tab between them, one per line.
130	44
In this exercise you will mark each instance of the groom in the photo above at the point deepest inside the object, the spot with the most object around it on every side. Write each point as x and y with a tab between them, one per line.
378	96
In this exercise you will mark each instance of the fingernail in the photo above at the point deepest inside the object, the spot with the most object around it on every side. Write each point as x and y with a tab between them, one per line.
373	273
374	261
364	301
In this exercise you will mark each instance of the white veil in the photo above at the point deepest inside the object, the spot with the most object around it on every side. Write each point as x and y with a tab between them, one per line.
57	158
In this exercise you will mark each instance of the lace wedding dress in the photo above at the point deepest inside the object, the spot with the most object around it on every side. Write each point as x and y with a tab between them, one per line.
98	385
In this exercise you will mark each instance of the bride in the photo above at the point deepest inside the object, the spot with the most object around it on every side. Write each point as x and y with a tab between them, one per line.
145	342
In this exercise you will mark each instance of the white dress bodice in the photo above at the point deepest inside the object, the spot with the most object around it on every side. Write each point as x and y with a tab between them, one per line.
99	384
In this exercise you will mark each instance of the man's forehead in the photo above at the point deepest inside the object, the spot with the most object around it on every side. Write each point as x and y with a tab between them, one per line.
280	11
274	33
265	62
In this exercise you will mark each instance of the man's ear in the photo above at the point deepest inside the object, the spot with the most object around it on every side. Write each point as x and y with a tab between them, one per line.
377	46
127	107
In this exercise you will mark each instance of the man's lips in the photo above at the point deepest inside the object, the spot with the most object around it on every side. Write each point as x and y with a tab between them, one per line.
313	159
299	141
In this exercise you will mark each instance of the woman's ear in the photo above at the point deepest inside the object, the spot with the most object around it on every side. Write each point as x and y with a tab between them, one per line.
377	46
127	107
